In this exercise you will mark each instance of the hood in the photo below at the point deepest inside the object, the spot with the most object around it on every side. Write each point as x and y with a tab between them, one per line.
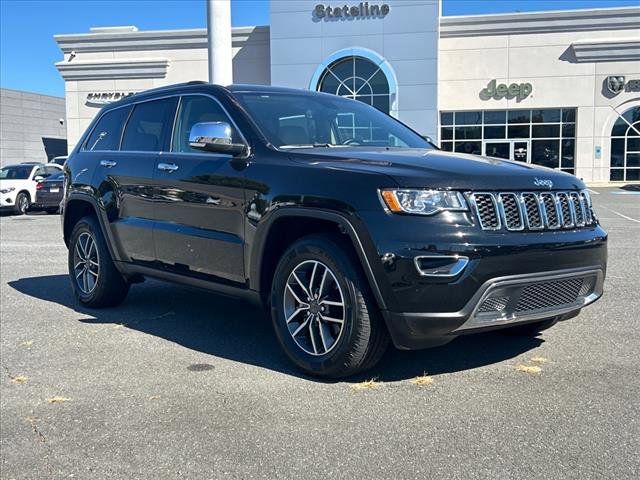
422	168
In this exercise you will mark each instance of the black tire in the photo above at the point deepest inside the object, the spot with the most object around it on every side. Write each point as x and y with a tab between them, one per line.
363	337
109	287
52	211
23	203
531	329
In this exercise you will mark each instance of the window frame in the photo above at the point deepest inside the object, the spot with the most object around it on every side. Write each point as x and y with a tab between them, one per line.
563	112
97	122
226	112
131	107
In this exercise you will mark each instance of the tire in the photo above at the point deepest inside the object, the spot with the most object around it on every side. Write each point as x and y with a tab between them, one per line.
52	211
313	339
531	329
99	284
23	202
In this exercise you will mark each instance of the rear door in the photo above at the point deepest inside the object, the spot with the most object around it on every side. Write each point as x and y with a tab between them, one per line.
200	200
126	176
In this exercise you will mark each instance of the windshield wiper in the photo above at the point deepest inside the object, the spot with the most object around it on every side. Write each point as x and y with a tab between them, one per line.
313	145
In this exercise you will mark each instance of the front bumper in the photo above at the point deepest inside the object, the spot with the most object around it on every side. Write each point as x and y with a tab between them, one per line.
7	200
425	310
501	302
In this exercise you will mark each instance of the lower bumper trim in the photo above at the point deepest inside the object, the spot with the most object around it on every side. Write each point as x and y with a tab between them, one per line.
501	302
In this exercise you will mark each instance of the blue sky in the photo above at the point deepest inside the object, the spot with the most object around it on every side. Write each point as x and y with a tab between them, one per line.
28	51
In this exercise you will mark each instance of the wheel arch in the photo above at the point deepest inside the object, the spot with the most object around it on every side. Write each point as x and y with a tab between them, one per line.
78	206
288	225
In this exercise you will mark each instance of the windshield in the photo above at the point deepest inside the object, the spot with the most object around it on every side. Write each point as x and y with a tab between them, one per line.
16	172
291	120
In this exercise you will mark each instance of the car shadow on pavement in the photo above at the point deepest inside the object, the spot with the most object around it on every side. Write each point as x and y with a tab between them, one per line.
228	328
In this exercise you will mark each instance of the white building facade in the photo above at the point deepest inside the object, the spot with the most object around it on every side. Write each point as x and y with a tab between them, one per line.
561	89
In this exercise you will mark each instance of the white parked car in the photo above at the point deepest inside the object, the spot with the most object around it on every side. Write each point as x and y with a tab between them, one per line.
18	184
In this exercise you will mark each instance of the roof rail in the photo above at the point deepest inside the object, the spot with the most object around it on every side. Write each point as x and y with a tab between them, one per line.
168	87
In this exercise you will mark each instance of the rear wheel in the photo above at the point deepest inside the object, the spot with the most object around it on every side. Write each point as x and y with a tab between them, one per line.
531	329
23	202
322	310
95	280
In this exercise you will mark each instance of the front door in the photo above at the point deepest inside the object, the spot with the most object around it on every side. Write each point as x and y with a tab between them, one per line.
520	151
498	150
510	150
199	227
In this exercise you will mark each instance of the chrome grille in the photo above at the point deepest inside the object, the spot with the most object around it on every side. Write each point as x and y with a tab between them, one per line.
516	211
565	209
578	208
485	205
551	208
510	211
532	209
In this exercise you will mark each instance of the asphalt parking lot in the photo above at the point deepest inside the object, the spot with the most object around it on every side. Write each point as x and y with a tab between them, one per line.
177	383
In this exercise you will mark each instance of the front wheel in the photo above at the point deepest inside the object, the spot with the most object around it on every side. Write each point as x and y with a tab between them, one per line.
95	280
23	202
323	313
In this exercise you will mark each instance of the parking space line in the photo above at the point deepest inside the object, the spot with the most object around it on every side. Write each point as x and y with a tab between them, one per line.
619	214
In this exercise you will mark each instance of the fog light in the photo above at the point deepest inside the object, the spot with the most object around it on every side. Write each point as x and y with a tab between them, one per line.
442	266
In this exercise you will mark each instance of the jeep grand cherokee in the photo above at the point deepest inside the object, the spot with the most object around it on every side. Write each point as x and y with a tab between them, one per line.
346	224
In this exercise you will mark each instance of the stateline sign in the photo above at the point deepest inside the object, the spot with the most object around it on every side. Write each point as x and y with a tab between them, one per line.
362	10
497	91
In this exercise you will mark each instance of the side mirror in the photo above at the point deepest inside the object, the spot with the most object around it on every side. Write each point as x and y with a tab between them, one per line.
427	138
38	178
215	137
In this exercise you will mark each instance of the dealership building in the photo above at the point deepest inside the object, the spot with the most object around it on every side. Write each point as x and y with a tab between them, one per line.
559	88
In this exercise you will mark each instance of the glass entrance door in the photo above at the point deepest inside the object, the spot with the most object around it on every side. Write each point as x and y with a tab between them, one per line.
509	150
498	150
520	151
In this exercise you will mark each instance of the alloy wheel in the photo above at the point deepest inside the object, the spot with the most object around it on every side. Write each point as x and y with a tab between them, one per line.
23	204
314	307
86	263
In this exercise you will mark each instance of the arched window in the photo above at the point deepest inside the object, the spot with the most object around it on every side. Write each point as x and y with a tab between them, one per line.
358	78
625	146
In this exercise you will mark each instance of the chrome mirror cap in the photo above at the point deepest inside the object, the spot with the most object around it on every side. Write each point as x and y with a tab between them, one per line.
214	137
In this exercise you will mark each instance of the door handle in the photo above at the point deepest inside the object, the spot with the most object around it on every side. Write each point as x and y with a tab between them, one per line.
167	167
108	163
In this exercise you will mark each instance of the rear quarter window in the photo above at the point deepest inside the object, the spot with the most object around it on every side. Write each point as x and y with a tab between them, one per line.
107	132
149	127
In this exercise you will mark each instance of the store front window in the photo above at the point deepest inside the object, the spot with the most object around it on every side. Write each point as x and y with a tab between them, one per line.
625	147
540	136
357	78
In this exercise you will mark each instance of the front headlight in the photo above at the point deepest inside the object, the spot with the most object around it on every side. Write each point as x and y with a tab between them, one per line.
7	190
423	202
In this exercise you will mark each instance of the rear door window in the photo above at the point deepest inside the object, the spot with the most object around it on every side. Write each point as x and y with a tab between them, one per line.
149	127
106	134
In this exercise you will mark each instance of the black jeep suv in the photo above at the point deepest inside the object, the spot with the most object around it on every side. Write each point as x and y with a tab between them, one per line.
347	224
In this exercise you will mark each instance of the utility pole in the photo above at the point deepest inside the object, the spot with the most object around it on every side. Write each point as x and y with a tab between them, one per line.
219	41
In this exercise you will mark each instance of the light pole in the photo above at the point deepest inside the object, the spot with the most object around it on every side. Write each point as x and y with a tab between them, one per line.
219	41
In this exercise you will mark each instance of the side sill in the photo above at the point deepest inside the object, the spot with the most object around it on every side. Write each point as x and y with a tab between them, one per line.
246	294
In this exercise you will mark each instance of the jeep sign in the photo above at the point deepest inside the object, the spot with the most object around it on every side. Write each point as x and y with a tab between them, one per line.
519	91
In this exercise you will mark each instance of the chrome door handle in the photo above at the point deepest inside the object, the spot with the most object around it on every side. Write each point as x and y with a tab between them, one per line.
167	167
107	163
